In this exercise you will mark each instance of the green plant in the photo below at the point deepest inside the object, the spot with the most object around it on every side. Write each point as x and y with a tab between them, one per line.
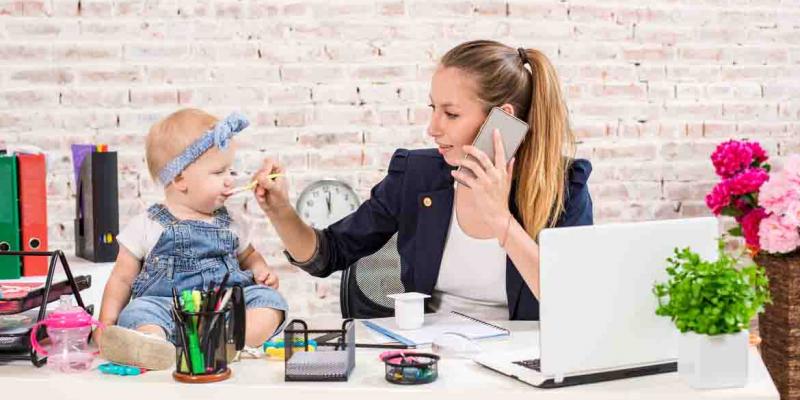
711	297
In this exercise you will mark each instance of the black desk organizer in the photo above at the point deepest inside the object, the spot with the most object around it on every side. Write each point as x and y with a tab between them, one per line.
325	365
19	343
97	208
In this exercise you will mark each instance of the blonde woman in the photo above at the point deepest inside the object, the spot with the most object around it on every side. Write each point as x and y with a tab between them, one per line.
473	249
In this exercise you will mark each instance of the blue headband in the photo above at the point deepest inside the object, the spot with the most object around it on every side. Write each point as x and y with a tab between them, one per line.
219	136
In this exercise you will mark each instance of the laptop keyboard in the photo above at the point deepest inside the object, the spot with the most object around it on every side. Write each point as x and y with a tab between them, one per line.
530	364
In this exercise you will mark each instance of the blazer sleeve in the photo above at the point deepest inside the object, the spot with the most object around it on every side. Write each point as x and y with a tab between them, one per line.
578	202
364	231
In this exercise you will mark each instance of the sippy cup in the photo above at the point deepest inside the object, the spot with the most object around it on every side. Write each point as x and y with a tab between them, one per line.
68	328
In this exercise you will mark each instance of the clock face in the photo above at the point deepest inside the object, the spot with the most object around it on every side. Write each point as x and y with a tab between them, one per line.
325	202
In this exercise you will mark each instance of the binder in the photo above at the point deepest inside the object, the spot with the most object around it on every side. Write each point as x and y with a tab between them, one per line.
97	208
9	217
33	211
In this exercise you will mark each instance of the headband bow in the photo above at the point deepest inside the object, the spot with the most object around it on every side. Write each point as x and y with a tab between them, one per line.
218	136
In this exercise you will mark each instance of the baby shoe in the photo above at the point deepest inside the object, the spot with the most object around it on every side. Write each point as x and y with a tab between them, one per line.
129	347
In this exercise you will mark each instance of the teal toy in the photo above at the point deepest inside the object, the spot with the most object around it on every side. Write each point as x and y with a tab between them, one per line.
117	369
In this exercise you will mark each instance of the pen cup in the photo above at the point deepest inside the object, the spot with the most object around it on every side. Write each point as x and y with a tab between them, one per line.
201	353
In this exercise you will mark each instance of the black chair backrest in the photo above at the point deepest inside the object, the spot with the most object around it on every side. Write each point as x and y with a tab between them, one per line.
366	283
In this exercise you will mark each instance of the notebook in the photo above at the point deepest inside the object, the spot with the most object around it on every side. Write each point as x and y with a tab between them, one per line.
435	325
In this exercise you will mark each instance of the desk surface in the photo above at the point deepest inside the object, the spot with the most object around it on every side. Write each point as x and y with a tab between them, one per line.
462	379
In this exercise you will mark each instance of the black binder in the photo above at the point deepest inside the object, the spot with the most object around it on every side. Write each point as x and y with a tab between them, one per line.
97	208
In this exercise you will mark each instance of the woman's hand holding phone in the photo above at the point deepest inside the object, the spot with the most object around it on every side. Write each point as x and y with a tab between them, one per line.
490	182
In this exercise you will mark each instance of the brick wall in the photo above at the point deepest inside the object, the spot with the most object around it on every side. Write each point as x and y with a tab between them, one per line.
333	88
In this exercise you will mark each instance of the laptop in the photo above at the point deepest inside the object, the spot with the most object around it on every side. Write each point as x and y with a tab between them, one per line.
597	307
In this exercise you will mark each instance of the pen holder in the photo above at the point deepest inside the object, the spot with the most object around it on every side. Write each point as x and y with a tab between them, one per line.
410	368
201	353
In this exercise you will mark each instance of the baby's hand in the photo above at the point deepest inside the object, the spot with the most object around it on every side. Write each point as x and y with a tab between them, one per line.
265	276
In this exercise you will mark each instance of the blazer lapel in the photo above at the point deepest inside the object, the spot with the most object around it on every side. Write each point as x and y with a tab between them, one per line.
433	222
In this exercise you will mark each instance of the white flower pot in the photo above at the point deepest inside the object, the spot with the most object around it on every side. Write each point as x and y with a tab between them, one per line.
711	362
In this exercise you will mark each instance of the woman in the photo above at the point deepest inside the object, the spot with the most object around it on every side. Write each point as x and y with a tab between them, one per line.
472	247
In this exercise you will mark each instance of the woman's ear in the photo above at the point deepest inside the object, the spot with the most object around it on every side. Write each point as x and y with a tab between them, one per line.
508	108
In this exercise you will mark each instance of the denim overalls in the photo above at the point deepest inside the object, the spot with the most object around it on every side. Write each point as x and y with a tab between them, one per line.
190	255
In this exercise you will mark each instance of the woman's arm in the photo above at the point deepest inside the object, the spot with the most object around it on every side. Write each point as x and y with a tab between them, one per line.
321	252
492	185
523	250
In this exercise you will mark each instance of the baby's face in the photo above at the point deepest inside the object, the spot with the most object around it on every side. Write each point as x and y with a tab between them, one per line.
209	178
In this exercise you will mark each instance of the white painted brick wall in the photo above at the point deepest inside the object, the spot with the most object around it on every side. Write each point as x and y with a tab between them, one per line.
333	88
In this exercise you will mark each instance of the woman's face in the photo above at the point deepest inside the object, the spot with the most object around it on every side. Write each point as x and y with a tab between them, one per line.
457	112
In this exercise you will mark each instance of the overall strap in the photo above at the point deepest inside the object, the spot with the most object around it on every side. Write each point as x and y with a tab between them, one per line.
160	214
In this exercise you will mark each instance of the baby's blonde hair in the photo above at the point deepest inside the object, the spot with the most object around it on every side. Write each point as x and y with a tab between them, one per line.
170	136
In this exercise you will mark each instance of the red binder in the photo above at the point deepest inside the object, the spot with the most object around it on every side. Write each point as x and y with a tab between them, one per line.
33	211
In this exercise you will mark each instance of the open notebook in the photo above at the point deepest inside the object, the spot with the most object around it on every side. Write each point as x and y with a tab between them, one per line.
435	325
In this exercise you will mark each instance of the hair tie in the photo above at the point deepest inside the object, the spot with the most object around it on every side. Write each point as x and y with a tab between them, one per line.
523	55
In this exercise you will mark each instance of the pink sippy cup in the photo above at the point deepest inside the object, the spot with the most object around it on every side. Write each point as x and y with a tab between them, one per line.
68	327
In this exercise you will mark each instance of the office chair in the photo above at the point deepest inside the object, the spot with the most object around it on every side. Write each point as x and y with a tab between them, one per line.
366	283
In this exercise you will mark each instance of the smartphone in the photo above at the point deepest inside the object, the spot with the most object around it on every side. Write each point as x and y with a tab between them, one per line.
512	131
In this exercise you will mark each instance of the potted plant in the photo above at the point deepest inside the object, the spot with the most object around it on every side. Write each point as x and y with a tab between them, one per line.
766	208
711	302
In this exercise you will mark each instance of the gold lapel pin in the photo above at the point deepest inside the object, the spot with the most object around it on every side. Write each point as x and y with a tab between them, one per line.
427	202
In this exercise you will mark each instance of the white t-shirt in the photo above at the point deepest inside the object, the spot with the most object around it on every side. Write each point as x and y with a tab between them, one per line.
142	233
472	276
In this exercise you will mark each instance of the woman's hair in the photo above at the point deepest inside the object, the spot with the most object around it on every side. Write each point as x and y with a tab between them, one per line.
543	158
170	136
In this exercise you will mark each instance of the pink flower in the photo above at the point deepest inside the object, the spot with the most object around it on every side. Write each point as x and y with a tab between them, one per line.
750	225
759	155
777	194
719	197
733	156
777	236
792	215
748	181
791	168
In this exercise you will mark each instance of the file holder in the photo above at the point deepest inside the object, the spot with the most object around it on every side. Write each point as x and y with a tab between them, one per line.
324	364
39	298
97	208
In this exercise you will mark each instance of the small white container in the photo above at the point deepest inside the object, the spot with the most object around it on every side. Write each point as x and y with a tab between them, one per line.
713	362
409	309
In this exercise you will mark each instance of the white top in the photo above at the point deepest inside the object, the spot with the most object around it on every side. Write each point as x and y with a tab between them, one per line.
472	276
142	233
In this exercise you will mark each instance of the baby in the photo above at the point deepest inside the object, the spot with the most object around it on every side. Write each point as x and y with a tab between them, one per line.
189	242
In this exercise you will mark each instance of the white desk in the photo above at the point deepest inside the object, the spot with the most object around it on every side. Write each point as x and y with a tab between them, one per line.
458	379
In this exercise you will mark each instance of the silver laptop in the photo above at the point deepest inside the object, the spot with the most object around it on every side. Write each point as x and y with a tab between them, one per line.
597	308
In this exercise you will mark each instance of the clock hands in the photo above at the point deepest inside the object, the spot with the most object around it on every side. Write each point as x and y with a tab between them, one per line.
328	202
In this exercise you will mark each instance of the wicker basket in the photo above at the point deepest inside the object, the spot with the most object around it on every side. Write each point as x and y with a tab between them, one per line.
779	324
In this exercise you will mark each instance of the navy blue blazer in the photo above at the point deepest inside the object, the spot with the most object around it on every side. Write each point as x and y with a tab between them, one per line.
397	205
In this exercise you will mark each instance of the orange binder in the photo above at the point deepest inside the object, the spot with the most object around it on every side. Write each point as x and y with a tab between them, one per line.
33	211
